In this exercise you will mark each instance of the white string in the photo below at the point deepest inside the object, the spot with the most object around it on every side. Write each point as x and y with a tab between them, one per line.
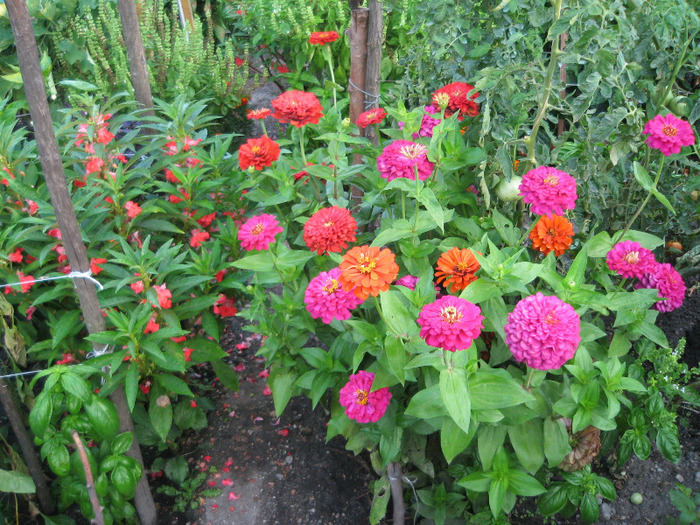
89	355
97	353
72	275
415	495
373	99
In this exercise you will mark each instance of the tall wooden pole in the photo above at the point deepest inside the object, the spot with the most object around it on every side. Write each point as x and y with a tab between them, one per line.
374	62
358	61
136	54
49	156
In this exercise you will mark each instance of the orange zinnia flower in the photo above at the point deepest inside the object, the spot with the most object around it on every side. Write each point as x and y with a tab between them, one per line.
552	234
367	271
457	268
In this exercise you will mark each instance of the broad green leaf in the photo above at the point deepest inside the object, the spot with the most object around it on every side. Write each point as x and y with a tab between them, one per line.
227	376
174	384
523	484
642	176
435	209
259	262
663	200
647	240
497	493
396	355
122	443
454	440
40	416
427	403
575	275
160	412
454	390
479	291
528	443
396	315
293	259
103	417
493	391
17	482
556	441
76	385
281	382
380	500
489	441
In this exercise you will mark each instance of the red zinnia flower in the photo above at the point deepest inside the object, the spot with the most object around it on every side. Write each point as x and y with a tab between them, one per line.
329	230
297	108
323	37
458	99
258	153
258	114
373	116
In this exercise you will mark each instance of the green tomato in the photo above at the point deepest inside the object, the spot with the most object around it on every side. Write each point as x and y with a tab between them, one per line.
636	498
507	190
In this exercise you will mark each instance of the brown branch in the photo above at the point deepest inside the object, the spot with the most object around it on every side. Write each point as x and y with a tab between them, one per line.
395	475
89	481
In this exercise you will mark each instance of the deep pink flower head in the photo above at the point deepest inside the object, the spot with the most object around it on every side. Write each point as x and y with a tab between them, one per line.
360	403
409	281
668	134
258	232
401	157
450	323
668	282
428	122
543	331
548	190
325	298
629	259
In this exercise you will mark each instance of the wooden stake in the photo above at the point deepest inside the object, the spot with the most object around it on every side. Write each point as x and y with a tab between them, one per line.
89	481
137	56
357	32
374	62
393	471
28	451
561	125
49	156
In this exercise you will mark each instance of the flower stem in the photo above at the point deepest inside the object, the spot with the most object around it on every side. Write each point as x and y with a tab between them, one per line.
530	374
329	59
262	123
379	309
303	160
531	141
415	217
448	359
645	201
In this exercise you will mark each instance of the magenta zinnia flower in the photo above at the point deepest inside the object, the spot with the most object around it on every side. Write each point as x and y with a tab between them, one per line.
543	331
668	282
629	259
258	232
401	157
325	298
360	403
549	190
668	134
428	122
409	281
450	323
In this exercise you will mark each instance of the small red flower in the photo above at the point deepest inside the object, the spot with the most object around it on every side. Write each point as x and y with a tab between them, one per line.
373	116
145	387
164	296
323	37
258	114
206	220
16	256
152	326
95	262
188	353
224	306
198	237
258	153
93	165
137	287
132	209
193	404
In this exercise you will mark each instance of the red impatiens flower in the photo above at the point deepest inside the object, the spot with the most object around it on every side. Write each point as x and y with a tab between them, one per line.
132	209
164	296
224	306
373	116
205	220
137	287
16	256
152	326
323	37
93	165
258	153
297	108
198	237
329	230
95	262
188	353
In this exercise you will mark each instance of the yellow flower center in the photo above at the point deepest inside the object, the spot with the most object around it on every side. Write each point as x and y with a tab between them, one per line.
669	131
631	257
450	314
257	229
361	397
551	318
366	264
255	149
552	232
331	286
552	180
413	151
328	224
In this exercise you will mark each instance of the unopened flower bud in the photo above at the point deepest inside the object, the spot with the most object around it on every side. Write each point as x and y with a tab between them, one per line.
442	100
346	122
251	169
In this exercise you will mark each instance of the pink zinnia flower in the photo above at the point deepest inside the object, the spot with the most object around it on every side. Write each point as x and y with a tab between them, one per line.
325	298
548	190
668	282
164	296
450	323
258	232
428	122
132	209
401	158
629	259
198	237
409	281
668	134
361	404
543	331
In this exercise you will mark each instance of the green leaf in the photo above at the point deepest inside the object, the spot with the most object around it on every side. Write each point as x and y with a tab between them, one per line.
528	443
619	345
523	484
76	385
59	460
396	355
647	240
397	317
17	482
160	413
493	391
205	350
599	245
123	481
176	469
171	383
227	376
131	385
497	493
553	500
281	382
454	440
210	324
490	440
575	275
479	291
80	85
293	259
122	443
476	481
427	403
668	445
259	262
589	508
103	417
380	500
642	176
556	441
663	200
67	324
435	209
454	390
